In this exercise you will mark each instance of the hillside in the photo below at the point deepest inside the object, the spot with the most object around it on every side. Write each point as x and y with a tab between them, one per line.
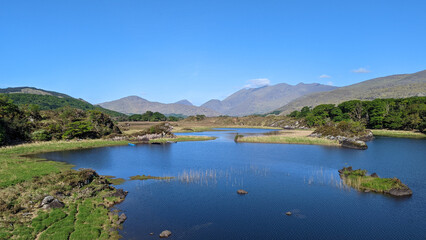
135	104
32	90
264	99
394	86
48	100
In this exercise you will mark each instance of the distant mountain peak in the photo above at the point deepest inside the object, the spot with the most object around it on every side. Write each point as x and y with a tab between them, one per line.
184	102
263	99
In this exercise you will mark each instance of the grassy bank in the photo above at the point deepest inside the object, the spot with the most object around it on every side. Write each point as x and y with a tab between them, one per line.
290	137
399	134
25	181
182	139
18	168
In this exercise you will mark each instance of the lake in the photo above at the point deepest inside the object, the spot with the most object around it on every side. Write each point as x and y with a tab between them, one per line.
202	203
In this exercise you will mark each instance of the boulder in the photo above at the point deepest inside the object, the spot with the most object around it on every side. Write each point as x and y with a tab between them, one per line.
374	175
55	203
241	192
354	144
47	200
288	213
165	234
402	192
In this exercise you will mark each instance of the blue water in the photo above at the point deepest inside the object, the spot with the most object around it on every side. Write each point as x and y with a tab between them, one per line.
202	203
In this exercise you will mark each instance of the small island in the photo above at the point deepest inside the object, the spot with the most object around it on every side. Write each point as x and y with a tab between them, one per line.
359	180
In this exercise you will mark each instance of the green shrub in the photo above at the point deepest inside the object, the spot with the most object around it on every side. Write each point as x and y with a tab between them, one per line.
41	135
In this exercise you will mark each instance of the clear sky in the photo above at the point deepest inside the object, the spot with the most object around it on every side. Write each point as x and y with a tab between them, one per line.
167	50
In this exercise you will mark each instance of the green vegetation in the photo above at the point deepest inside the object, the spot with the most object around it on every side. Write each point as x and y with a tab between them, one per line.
24	181
359	180
144	177
289	140
182	139
17	168
343	128
396	133
50	102
85	215
29	123
395	114
152	117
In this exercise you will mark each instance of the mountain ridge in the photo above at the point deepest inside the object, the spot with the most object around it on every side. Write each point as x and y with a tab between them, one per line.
262	100
135	104
392	86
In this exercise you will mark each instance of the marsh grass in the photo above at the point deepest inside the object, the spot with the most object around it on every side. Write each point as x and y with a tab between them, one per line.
359	180
148	177
399	134
182	139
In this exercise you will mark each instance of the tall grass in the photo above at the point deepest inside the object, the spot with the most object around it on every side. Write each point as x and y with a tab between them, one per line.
289	140
182	139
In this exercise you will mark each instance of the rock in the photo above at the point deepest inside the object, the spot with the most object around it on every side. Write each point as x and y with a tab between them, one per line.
54	204
119	193
241	192
366	190
374	175
47	200
354	144
151	234
121	218
288	213
368	137
86	176
165	234
401	192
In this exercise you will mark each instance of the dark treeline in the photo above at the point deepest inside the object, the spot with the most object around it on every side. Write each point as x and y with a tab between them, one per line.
153	117
29	123
395	114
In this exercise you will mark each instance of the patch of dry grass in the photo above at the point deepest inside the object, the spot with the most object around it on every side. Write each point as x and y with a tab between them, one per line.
290	137
399	134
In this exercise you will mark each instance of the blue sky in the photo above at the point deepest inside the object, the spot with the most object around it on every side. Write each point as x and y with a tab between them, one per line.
167	50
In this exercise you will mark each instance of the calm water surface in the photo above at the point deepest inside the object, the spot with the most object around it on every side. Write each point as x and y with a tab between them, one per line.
202	203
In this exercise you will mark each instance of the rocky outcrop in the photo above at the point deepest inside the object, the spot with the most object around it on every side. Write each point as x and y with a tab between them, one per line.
51	202
354	144
401	192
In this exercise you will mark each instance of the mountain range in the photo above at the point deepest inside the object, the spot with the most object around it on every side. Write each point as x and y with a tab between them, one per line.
135	104
264	99
280	98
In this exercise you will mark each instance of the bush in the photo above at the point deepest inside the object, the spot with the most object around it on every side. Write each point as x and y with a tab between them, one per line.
41	135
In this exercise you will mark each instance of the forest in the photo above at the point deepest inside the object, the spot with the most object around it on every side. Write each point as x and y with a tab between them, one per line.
389	113
30	123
